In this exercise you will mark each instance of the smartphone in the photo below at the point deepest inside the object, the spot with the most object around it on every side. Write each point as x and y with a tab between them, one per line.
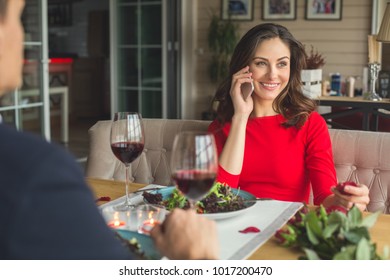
247	89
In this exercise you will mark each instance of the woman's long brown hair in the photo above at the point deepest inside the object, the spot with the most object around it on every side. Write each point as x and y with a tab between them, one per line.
291	103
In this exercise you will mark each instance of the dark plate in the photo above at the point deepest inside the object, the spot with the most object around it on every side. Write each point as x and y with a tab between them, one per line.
166	192
146	242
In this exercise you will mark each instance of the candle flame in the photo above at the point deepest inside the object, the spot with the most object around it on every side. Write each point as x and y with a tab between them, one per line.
116	223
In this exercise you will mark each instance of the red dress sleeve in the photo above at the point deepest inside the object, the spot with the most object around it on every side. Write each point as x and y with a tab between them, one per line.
220	135
319	158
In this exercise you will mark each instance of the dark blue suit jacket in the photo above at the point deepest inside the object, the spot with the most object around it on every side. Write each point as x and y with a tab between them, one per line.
46	209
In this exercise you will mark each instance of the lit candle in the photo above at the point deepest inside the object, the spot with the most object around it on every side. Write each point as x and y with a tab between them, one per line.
116	224
148	216
116	219
148	225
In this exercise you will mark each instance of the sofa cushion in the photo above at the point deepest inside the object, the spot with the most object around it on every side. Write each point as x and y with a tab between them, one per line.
364	157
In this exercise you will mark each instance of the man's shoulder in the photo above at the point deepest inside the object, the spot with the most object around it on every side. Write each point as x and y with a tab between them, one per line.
25	146
10	136
9	132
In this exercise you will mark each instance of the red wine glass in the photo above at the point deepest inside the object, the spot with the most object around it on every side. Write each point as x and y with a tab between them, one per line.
127	143
194	164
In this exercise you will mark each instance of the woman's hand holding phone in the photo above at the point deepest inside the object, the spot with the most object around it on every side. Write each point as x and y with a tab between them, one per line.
240	91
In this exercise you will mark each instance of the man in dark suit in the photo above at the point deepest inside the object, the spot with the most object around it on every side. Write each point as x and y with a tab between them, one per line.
46	209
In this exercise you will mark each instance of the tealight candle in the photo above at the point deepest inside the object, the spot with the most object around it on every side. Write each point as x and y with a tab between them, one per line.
116	224
148	216
148	225
116	219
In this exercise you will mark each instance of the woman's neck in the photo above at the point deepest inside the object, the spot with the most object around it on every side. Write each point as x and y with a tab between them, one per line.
263	109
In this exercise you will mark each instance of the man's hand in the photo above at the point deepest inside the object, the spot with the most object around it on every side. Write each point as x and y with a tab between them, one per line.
186	235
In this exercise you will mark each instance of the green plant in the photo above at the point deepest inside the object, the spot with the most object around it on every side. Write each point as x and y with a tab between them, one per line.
331	233
222	39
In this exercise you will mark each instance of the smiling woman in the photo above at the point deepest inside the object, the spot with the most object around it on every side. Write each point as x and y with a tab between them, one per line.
274	144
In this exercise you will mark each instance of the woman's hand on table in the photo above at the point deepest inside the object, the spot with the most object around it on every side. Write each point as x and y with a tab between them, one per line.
186	235
353	195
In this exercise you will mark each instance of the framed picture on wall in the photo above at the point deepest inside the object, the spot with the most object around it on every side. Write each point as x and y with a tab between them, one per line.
237	9
323	9
279	10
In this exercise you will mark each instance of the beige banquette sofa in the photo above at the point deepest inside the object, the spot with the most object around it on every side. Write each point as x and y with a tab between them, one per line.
359	155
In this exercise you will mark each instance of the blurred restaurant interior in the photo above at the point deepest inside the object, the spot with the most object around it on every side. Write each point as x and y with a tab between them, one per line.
86	59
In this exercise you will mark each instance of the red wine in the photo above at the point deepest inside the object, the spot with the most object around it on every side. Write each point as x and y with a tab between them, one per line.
127	152
194	183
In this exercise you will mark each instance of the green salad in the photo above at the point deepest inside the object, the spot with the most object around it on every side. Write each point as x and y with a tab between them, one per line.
219	199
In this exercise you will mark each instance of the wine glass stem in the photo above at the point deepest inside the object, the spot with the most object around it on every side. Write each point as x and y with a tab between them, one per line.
127	185
192	204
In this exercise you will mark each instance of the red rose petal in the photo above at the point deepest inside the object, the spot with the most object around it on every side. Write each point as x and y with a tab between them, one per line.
103	198
249	229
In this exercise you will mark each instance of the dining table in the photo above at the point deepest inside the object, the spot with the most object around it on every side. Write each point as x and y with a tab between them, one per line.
270	250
